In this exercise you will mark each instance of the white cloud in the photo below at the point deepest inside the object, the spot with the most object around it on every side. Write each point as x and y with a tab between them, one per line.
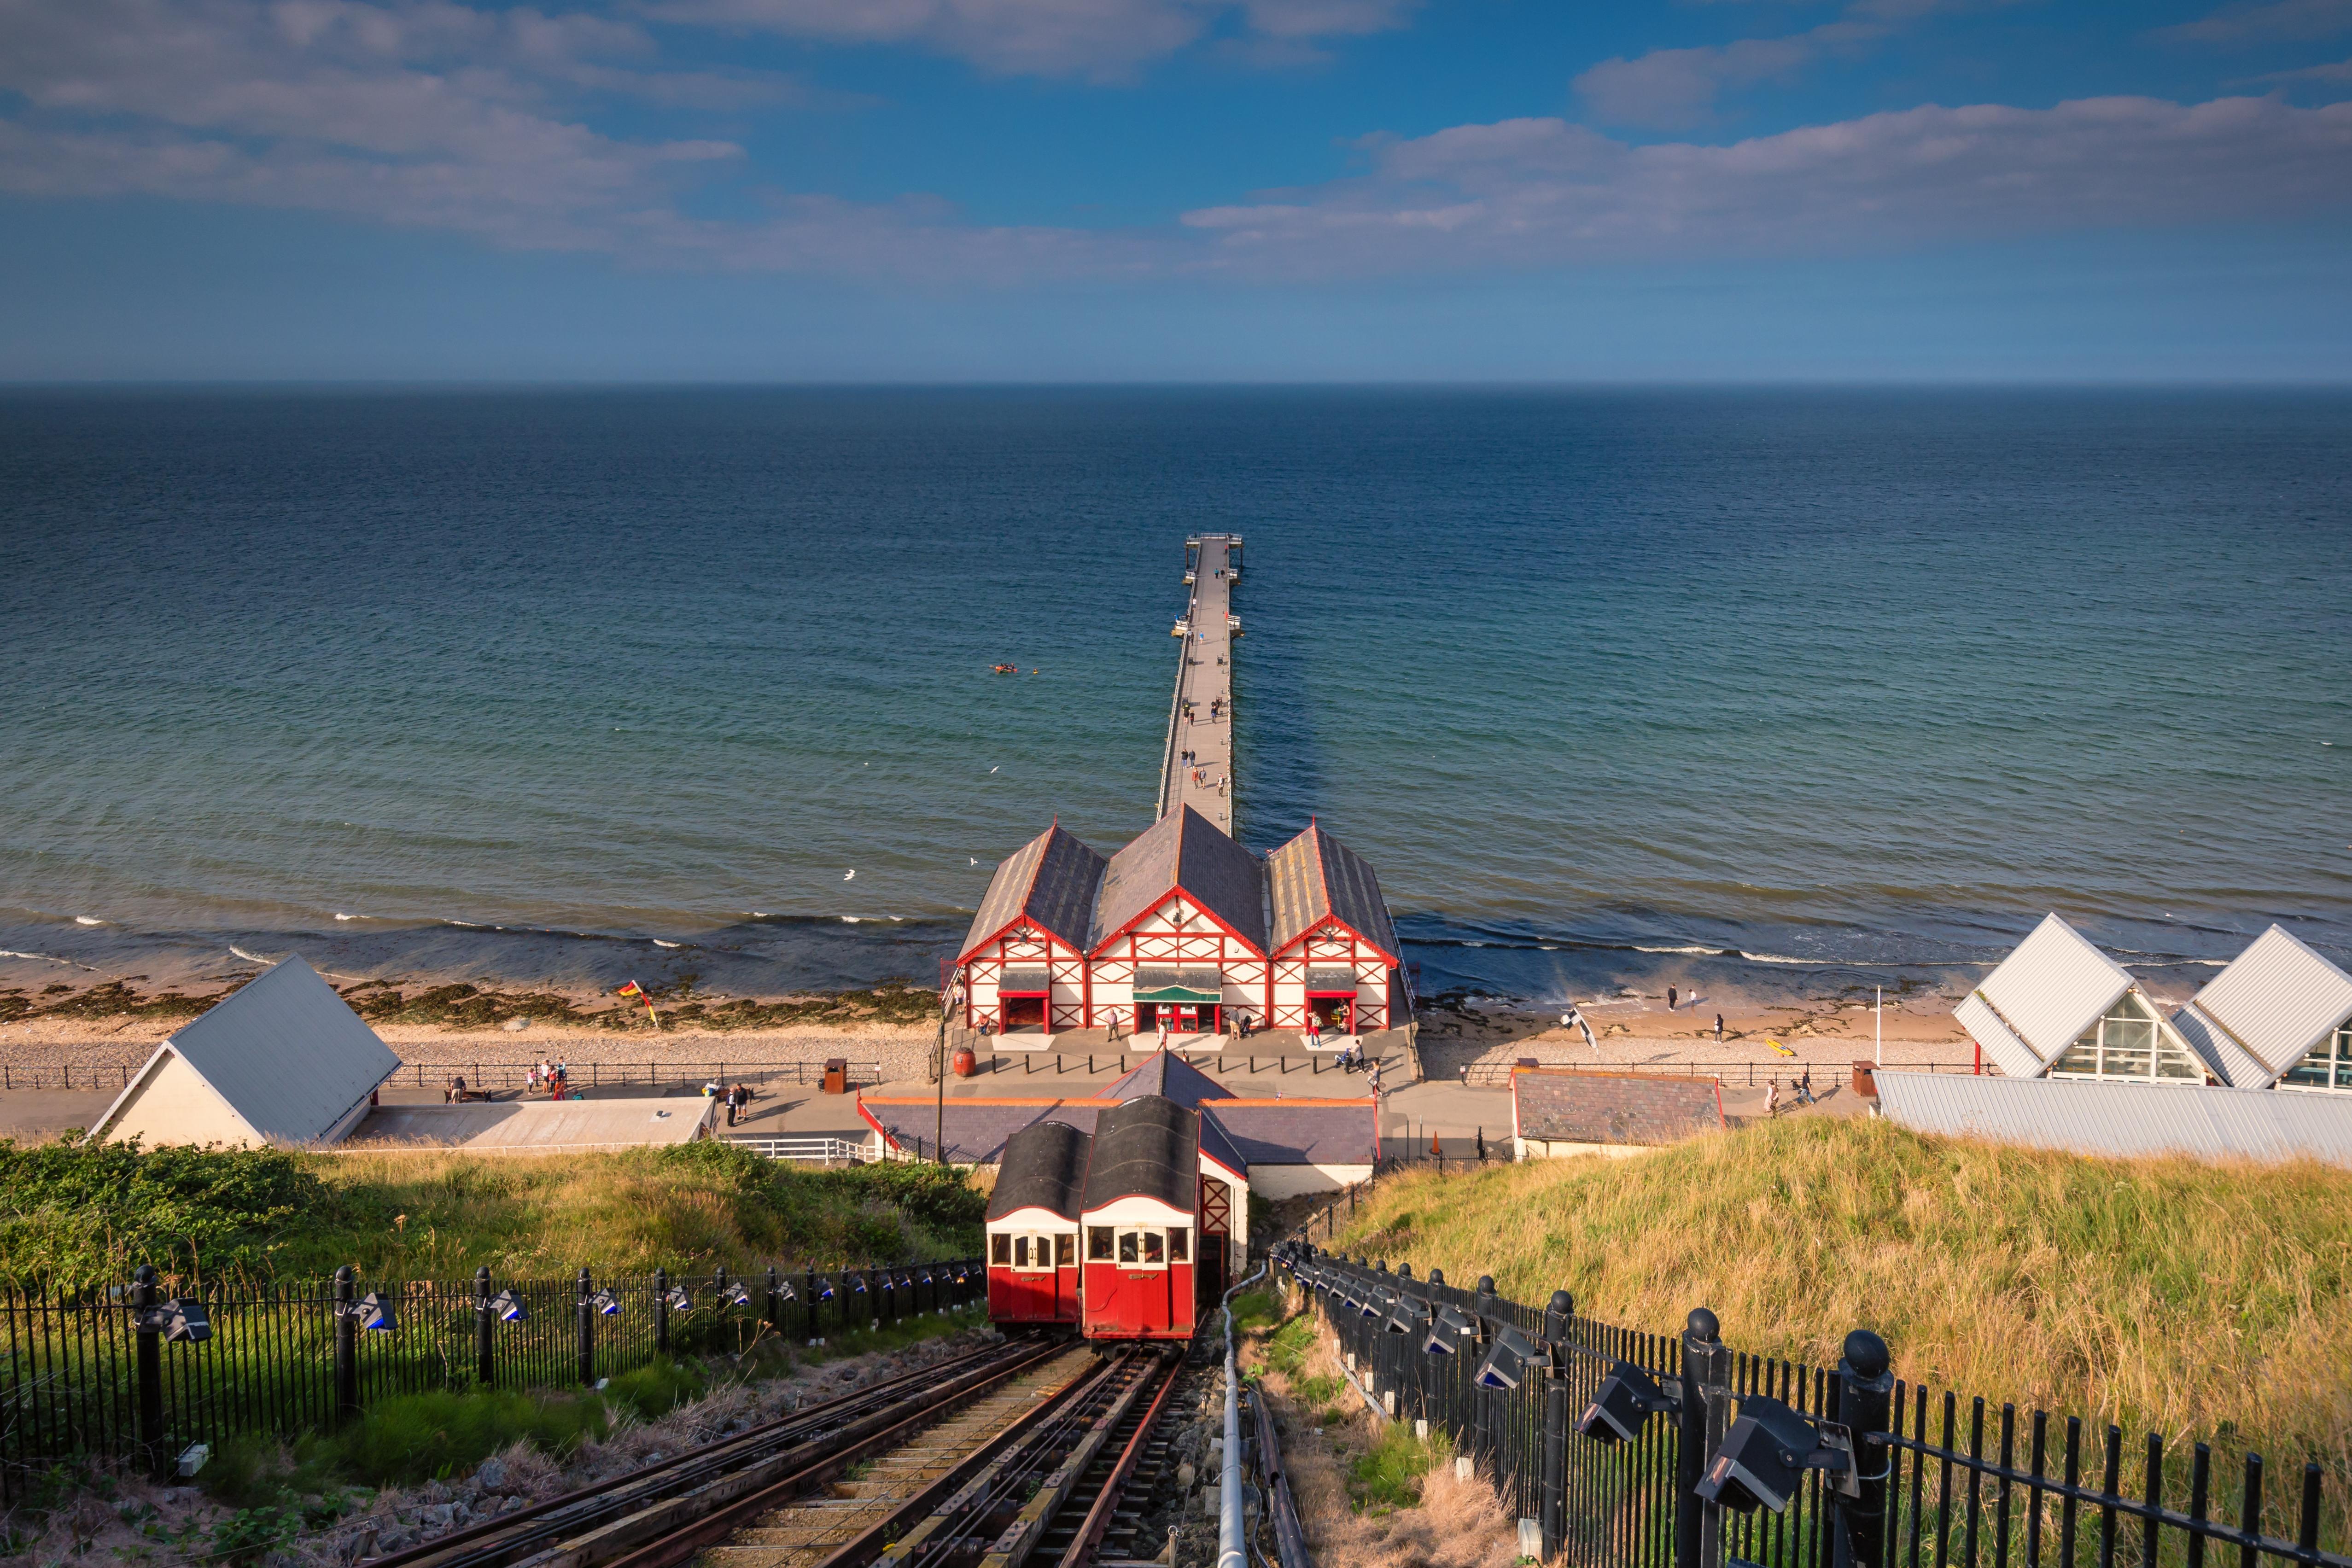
2297	19
1545	193
2338	70
1101	39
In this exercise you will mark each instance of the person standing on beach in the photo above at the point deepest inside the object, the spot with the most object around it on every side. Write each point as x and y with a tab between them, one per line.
1672	999
1718	1029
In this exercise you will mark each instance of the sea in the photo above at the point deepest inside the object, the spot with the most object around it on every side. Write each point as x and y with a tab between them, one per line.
1799	691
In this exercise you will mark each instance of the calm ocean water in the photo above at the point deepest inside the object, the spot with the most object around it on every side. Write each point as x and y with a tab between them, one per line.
1856	684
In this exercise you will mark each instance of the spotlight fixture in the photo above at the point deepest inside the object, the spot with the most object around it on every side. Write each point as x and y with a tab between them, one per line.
858	1289
678	1300
181	1319
1626	1398
1509	1359
1447	1332
509	1308
735	1295
823	1289
374	1313
607	1304
1766	1454
787	1293
1407	1315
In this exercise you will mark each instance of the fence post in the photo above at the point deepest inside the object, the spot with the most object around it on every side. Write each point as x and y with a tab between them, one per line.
1489	1448
585	1314
661	1311
485	1340
1561	1308
775	1300
150	1368
1707	1399
1426	1364
808	1294
347	1347
1866	1392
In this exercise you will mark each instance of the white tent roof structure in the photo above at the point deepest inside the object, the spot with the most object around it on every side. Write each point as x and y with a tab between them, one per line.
2266	1011
283	1060
2042	998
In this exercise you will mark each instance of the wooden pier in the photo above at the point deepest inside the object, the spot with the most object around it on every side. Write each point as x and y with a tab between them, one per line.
1197	767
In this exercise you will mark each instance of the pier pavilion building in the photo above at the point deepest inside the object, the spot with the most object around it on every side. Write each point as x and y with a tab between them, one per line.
1183	926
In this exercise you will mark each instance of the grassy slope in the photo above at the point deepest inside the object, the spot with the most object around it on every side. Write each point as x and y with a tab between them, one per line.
2161	1294
86	1214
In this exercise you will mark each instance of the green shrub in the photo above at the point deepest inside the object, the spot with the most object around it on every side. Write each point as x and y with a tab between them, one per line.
1389	1473
414	1437
655	1390
77	1213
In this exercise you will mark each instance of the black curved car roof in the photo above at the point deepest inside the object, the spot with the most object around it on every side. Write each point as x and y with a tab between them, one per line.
1045	1166
1147	1148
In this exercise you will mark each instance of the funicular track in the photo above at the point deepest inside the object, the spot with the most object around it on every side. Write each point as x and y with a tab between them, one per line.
1015	1457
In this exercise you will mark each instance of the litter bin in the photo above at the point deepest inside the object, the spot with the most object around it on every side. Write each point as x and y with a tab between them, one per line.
1866	1081
836	1075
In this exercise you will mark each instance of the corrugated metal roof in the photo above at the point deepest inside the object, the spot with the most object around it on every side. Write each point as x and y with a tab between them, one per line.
287	1053
1147	1148
1045	1166
2007	1052
1315	875
2122	1119
2277	999
1184	848
527	1126
1052	879
2051	988
2224	1056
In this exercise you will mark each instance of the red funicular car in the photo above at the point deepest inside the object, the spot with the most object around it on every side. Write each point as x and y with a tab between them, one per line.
1143	1191
1033	1228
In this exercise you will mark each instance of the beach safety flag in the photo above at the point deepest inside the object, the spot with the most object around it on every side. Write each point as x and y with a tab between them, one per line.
1776	1045
638	991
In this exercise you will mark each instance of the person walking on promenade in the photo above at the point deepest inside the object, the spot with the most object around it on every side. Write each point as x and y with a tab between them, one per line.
1773	1098
1805	1087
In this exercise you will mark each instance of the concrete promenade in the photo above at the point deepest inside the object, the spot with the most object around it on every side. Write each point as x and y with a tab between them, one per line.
1198	767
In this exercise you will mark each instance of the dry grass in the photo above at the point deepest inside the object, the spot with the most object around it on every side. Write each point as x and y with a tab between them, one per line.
1326	1439
2197	1301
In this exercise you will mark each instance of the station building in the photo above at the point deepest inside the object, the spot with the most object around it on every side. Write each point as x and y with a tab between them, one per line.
1182	926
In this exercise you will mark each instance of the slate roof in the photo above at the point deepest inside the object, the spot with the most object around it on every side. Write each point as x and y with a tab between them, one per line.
2040	999
1183	850
288	1054
1147	1148
1291	1131
1044	1167
1051	880
1167	1074
977	1130
1241	1134
2267	1011
1572	1106
2121	1119
1314	876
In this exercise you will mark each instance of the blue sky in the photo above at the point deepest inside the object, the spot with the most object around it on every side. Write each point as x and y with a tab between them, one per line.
1175	189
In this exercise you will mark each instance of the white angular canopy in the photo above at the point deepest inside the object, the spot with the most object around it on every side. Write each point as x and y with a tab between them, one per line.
2275	1002
2042	998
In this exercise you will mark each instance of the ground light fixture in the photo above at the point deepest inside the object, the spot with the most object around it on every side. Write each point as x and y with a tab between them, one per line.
1512	1355
825	1289
181	1319
1407	1315
1766	1454
1373	1303
735	1295
509	1308
785	1290
374	1313
678	1300
1626	1398
858	1289
607	1304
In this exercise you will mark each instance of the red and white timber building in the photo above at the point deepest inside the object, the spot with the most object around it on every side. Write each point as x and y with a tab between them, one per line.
1335	957
1182	926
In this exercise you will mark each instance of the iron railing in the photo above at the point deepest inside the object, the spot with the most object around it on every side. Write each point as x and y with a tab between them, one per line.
493	1075
92	1375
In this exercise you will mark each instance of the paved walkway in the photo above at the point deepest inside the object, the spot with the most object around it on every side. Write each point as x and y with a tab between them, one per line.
1199	766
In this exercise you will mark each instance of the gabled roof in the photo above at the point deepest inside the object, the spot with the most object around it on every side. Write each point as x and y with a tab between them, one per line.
1298	1132
1183	850
2041	998
1049	881
1217	1144
1314	877
2266	1011
1045	1166
285	1053
1170	1076
1149	1147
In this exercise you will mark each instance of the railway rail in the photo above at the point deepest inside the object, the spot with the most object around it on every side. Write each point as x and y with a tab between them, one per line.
1013	1457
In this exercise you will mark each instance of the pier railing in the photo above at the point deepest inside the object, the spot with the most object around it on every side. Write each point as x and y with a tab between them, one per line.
1929	1478
491	1074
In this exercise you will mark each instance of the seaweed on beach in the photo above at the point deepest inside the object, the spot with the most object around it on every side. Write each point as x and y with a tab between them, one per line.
115	998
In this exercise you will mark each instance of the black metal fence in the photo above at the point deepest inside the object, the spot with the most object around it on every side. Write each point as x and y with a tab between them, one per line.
1932	1478
112	1374
487	1073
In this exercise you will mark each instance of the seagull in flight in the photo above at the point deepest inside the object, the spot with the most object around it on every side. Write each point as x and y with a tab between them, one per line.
975	860
993	770
848	874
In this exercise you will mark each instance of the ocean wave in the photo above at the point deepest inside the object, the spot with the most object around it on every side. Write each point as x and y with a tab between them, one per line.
659	943
87	920
46	959
1708	952
249	958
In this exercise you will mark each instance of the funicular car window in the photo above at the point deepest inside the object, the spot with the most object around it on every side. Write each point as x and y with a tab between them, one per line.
1066	1251
1180	1245
1099	1243
1143	1248
1035	1253
1000	1251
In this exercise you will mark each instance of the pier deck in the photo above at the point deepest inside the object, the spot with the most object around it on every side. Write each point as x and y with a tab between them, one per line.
1197	769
